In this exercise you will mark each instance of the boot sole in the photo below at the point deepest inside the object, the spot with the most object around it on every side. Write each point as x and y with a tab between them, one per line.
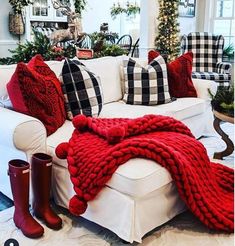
29	235
53	227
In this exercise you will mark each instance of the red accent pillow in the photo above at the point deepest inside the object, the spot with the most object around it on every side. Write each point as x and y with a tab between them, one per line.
35	90
179	75
152	55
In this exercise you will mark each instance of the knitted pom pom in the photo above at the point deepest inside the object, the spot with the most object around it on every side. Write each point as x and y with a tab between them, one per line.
61	150
80	122
115	134
77	206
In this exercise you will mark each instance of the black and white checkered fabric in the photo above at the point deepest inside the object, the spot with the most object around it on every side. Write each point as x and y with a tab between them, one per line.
207	50
81	90
224	67
221	79
146	86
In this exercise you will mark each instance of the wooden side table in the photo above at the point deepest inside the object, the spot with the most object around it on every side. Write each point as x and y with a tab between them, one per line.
219	117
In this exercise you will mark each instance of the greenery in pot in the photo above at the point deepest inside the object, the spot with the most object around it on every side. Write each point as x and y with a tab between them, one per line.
116	10
18	5
129	10
229	51
223	101
132	9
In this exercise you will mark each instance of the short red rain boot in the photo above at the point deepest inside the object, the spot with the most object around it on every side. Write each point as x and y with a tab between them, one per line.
19	179
41	168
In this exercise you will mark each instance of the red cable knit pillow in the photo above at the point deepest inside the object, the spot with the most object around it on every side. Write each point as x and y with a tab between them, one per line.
179	75
35	90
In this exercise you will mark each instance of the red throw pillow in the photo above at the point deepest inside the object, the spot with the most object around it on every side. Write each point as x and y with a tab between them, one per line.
179	75
35	90
152	55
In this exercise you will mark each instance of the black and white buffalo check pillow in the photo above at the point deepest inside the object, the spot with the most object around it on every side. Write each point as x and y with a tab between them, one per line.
81	88
146	86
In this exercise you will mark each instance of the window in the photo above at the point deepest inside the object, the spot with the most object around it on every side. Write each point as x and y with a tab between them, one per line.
223	21
40	8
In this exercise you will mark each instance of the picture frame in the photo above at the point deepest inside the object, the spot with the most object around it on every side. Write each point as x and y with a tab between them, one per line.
187	8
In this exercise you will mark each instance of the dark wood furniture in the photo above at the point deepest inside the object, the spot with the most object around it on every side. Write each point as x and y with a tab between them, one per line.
220	117
125	42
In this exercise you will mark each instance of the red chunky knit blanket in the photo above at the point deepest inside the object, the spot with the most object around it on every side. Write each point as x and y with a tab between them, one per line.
99	146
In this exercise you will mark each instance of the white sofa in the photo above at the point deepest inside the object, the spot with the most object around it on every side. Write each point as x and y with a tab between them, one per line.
141	194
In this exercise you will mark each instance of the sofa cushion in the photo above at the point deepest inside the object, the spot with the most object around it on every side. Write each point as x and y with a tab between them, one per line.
146	85
179	74
6	72
180	109
81	90
35	90
55	66
136	177
108	69
6	103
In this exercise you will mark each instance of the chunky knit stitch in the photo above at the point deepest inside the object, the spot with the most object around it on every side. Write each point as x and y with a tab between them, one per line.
99	146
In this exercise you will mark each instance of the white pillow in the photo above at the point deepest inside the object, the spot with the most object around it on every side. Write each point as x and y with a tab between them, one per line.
108	69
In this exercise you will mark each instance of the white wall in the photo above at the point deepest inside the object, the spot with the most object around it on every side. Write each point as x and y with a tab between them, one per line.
148	26
7	40
201	21
98	12
187	24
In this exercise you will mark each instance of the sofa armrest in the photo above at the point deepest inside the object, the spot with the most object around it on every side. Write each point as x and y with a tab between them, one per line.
202	86
22	132
223	67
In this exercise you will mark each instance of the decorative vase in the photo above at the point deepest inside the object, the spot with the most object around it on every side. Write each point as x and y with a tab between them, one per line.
16	24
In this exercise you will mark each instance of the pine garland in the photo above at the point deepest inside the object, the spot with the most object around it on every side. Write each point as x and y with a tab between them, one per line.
167	40
41	45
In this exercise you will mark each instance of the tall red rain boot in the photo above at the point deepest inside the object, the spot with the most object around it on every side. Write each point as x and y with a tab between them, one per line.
19	179
41	168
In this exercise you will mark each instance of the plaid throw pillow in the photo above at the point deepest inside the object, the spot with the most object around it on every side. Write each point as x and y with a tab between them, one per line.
81	90
146	86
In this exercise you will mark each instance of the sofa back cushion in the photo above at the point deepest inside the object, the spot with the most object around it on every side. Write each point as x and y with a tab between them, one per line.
56	66
108	69
6	72
35	90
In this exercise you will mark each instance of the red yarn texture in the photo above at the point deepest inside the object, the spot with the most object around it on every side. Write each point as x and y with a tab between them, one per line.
99	146
179	74
35	90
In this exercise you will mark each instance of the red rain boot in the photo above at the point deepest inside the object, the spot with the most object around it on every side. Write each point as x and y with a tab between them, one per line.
19	178
41	168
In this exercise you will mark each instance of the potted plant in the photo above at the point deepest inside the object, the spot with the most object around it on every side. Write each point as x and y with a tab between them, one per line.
223	101
228	52
16	22
116	10
130	9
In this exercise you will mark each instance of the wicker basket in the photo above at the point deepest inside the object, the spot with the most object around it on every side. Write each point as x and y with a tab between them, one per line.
16	24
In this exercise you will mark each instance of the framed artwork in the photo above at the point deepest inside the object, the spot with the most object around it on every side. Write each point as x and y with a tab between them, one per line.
187	8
